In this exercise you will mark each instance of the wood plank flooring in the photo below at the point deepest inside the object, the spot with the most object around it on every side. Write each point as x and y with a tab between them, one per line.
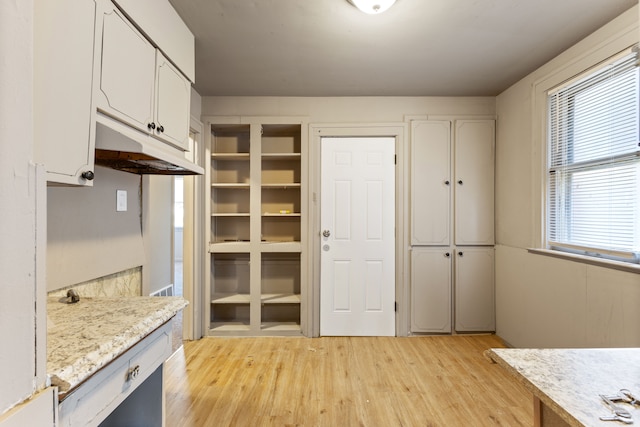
342	381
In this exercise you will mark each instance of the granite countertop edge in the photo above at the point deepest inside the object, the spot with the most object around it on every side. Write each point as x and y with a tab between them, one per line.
569	381
494	355
85	350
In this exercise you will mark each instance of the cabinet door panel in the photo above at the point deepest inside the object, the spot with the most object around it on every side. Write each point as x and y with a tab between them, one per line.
430	183
173	93
431	290
127	72
475	295
474	182
63	87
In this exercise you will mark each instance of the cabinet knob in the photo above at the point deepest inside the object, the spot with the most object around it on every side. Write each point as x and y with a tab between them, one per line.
460	182
151	125
460	253
446	182
160	128
88	175
447	254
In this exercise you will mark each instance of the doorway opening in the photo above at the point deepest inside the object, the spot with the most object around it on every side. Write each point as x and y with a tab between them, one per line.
178	236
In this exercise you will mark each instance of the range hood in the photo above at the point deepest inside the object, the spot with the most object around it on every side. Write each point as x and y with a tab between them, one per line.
120	147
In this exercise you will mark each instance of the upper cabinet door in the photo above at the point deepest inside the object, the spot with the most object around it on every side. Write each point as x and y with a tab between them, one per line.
474	182
430	182
173	93
127	72
63	87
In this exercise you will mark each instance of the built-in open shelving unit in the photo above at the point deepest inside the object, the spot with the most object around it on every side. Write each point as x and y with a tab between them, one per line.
257	176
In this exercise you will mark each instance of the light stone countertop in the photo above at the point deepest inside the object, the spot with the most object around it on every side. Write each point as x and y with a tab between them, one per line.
569	381
85	336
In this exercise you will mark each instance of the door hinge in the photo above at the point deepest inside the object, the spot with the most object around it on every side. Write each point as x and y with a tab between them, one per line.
395	159
395	306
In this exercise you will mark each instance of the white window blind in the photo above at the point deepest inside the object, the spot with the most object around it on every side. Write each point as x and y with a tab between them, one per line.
593	204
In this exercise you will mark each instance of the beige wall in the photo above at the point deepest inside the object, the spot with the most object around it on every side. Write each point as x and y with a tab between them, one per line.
543	301
357	116
86	237
348	110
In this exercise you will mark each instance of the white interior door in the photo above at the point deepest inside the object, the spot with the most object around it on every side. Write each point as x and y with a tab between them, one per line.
357	283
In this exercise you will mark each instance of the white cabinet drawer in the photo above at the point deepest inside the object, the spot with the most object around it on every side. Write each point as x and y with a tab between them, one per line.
91	402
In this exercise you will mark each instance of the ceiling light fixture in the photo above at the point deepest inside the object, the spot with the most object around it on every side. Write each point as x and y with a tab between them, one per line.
372	7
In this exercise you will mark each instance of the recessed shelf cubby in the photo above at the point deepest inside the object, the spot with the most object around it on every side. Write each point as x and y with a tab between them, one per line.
257	176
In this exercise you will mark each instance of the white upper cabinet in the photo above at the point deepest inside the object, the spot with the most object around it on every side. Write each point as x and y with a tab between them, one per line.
461	162
127	77
139	86
63	85
474	182
430	183
156	17
173	96
99	61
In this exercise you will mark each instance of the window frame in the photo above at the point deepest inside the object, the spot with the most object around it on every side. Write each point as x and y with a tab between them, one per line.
549	168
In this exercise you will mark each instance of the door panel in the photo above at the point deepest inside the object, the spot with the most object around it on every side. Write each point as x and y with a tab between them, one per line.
430	183
358	245
431	279
127	72
474	196
475	294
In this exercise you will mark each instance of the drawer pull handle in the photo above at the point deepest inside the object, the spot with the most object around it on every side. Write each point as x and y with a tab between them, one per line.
133	373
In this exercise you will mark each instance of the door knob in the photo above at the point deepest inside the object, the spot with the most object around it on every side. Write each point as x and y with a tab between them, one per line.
326	233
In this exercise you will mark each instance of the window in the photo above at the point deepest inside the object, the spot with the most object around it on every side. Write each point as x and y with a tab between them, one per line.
593	176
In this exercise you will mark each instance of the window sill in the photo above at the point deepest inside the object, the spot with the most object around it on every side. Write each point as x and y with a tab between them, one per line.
606	263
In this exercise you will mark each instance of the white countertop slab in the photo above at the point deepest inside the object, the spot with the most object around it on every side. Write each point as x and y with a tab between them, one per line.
569	381
85	336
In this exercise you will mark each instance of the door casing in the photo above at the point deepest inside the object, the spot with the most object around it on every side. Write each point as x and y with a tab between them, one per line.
399	131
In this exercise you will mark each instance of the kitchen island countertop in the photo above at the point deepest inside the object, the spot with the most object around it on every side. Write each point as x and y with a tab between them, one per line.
569	381
85	336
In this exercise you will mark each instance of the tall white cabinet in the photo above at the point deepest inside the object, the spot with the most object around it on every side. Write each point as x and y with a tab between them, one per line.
257	227
452	226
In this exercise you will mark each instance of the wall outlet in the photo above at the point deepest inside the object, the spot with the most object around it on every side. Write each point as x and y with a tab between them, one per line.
121	200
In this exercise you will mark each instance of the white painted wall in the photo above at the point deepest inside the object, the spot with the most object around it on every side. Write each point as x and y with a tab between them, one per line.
543	301
17	205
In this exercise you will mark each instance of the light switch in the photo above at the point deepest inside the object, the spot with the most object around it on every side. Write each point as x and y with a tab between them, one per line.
121	200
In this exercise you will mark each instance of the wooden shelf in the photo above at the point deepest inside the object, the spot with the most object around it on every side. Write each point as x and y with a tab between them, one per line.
234	185
229	327
230	214
279	185
280	298
229	247
230	156
276	214
222	298
280	327
281	156
274	247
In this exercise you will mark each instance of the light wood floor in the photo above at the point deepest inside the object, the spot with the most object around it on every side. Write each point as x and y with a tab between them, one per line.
343	381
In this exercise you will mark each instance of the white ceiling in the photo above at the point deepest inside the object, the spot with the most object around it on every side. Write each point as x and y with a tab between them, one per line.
417	48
